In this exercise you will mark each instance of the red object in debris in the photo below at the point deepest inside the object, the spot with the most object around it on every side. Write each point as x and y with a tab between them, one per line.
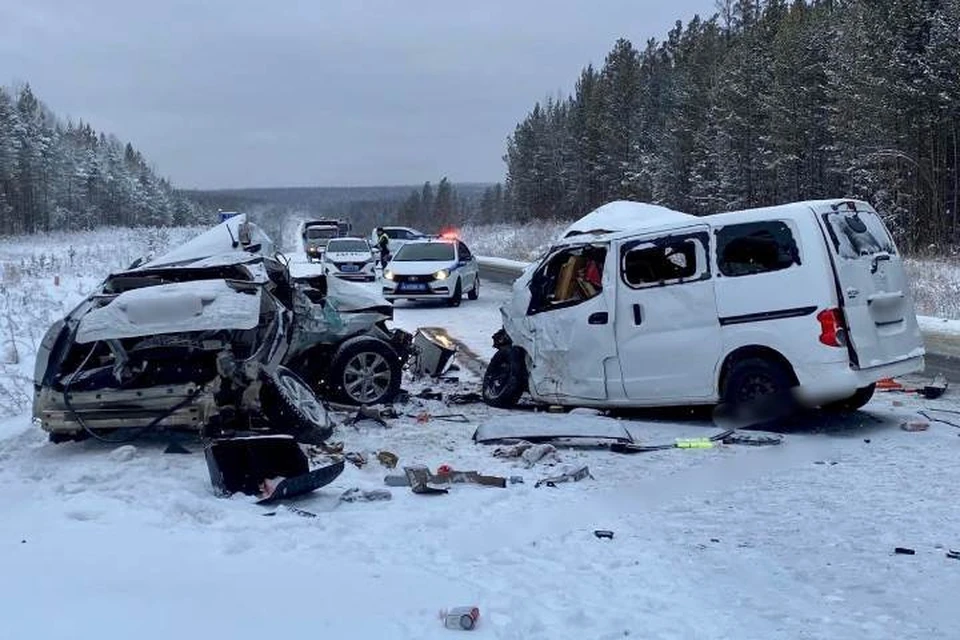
444	470
889	384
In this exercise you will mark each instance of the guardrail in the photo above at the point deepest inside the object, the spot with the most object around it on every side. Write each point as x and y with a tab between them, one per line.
943	348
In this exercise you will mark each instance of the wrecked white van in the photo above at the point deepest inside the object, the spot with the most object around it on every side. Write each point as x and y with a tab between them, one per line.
642	307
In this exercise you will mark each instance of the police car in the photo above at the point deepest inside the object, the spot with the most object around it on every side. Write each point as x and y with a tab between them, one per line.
349	259
433	269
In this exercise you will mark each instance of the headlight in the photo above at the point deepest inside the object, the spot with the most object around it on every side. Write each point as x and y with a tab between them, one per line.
441	275
387	274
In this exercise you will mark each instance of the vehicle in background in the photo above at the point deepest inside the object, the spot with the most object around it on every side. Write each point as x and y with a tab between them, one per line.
432	269
806	302
217	337
399	236
316	234
349	259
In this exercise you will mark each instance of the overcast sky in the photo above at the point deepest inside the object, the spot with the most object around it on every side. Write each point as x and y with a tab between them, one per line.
232	93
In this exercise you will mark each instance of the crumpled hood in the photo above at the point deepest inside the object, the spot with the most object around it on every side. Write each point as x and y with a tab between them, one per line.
201	305
420	267
215	242
352	296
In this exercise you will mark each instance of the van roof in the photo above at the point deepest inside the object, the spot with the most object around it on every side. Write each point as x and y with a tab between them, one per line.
624	215
633	217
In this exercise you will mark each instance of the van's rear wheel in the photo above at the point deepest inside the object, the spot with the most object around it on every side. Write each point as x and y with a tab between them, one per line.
755	379
848	405
505	379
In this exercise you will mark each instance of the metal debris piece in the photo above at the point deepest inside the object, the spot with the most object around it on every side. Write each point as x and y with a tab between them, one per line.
356	494
388	459
356	458
570	476
419	478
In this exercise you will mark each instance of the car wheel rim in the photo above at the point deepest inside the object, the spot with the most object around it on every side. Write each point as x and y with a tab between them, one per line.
367	376
757	386
498	378
304	399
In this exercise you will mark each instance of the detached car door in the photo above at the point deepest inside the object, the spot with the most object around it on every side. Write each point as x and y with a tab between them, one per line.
570	320
667	330
875	294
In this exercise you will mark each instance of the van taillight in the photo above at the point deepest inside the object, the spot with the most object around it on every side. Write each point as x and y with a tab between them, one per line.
832	331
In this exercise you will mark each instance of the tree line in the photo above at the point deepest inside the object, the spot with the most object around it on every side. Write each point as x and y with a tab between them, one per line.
765	102
66	175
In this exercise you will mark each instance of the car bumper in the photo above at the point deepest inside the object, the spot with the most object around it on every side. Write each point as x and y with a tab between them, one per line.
829	382
438	290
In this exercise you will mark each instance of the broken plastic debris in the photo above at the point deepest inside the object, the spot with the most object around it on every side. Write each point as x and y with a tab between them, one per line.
464	618
571	476
915	425
388	459
356	494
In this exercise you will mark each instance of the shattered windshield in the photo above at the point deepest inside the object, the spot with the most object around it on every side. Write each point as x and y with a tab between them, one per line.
858	233
317	233
426	252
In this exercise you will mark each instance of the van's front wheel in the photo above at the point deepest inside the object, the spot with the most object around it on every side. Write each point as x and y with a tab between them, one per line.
505	379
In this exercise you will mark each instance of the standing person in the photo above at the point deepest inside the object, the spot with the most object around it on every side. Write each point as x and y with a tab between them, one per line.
383	242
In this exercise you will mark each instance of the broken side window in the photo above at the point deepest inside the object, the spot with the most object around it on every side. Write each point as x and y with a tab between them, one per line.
662	262
858	233
756	247
568	278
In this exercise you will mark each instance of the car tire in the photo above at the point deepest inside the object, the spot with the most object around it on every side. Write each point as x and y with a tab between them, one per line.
475	292
457	297
848	405
287	400
752	379
505	379
364	371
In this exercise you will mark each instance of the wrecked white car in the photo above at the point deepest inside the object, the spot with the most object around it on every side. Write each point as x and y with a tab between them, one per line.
215	337
640	306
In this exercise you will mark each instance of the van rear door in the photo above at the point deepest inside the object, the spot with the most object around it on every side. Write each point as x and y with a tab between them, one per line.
873	287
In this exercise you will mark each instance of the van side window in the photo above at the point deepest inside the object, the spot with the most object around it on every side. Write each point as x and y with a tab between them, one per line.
664	262
567	278
756	247
858	233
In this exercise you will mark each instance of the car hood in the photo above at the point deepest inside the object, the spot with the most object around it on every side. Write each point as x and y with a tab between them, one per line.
222	241
200	305
420	268
352	296
353	256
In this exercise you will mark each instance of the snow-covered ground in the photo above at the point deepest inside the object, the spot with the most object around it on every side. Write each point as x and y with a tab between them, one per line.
792	541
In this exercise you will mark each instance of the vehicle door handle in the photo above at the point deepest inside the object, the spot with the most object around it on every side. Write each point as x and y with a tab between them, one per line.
852	292
637	314
600	317
876	261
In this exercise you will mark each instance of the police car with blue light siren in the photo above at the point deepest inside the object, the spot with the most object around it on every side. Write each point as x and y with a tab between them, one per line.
441	269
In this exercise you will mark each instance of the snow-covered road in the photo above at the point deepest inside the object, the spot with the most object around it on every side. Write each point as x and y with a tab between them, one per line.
794	541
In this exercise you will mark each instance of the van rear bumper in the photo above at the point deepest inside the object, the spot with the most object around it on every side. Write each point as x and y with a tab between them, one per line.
821	383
